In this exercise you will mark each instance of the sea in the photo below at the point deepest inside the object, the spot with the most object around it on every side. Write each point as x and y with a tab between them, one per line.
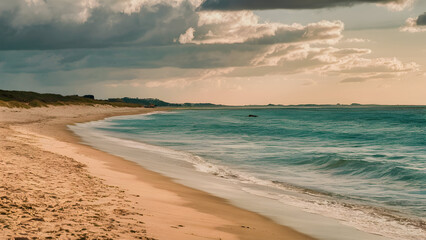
330	172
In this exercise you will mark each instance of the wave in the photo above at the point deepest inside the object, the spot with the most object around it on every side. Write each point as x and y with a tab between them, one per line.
377	220
336	169
373	219
341	164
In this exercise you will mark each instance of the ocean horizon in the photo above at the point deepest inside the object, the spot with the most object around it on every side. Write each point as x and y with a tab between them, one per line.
348	173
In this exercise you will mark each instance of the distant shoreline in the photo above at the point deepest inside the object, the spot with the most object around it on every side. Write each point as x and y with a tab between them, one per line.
25	99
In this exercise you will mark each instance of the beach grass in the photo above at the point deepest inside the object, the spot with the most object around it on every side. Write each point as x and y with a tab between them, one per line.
24	99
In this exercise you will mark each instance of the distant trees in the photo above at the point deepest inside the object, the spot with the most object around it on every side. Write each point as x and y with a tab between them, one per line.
89	97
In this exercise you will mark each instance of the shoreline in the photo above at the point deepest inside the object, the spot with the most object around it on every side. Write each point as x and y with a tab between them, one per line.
303	215
170	210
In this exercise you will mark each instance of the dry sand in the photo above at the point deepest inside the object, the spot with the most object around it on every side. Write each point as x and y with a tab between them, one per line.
53	187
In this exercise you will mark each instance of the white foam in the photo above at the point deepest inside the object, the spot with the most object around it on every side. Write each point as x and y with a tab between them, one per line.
365	219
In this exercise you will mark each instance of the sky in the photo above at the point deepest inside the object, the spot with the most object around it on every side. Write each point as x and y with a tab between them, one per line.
234	52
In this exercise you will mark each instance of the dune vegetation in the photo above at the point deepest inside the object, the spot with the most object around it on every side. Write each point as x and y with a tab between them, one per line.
23	99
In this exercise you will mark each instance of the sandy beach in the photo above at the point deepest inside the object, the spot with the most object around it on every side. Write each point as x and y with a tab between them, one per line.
53	187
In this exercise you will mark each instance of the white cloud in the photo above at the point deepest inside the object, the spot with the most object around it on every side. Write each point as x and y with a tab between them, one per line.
229	28
397	6
216	27
411	26
356	40
36	12
64	24
187	37
350	64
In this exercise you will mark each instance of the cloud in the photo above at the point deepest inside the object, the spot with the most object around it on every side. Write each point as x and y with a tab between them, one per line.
356	40
166	44
397	6
353	80
36	12
244	27
62	24
187	37
367	77
209	40
178	56
350	64
234	5
415	25
421	20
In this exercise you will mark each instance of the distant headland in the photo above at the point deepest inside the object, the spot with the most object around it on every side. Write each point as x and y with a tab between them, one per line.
27	99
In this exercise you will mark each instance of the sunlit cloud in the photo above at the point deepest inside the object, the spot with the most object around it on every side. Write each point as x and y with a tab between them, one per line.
397	6
414	25
65	24
245	27
356	40
350	64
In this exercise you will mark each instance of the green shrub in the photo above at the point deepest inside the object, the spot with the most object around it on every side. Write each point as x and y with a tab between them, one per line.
16	104
22	99
37	103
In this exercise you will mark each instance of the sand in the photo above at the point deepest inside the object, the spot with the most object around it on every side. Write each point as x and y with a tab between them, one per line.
53	187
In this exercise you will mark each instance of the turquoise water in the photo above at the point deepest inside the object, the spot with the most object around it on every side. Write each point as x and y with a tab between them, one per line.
370	160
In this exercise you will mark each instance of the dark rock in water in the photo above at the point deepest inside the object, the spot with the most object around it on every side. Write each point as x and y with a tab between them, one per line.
252	115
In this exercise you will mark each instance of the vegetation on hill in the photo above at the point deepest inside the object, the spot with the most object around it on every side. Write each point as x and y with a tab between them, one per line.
22	99
144	101
159	103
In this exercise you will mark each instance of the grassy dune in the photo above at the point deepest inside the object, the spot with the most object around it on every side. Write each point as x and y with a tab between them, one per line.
21	99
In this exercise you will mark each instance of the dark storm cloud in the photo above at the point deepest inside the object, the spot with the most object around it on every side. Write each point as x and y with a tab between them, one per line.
178	56
283	4
104	28
421	20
